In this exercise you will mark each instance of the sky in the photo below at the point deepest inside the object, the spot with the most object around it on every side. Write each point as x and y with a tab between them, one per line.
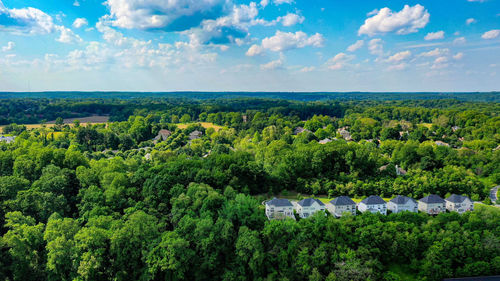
262	45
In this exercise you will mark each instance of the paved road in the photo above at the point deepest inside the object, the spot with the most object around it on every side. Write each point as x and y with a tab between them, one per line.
493	194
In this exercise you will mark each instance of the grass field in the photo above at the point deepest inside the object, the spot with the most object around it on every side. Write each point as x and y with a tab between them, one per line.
205	125
83	121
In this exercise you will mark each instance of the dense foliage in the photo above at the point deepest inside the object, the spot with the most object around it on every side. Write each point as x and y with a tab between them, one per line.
107	201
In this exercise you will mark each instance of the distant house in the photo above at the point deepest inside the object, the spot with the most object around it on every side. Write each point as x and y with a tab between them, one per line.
373	204
455	128
341	205
7	139
307	207
402	203
432	205
299	130
162	135
400	171
325	141
279	209
345	133
441	143
195	135
459	203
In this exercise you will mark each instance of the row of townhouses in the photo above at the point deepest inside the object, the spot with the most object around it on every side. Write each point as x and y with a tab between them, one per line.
432	204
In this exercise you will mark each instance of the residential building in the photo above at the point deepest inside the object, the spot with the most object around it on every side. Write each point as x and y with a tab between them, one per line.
162	135
402	203
341	205
279	209
195	135
459	203
432	205
307	207
373	204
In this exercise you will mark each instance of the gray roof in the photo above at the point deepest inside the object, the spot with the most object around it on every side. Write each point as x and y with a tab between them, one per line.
309	201
432	199
342	200
457	198
279	202
373	200
402	200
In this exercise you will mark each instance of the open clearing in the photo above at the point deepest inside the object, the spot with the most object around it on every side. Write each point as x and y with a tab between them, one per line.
97	119
205	125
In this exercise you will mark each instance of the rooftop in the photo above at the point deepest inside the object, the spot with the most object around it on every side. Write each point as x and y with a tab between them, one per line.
279	202
309	201
373	200
456	198
342	200
432	199
402	200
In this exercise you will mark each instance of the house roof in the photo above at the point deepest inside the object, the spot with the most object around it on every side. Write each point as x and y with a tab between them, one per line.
342	200
373	200
432	199
456	198
402	200
324	141
279	202
309	201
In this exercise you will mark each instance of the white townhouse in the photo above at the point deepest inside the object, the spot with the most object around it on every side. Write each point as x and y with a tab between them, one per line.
307	207
459	203
341	205
432	205
279	209
402	203
373	204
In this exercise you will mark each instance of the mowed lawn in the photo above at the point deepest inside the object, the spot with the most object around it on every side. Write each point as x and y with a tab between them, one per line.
205	125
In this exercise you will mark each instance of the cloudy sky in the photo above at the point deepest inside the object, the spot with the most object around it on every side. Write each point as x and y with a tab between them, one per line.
263	45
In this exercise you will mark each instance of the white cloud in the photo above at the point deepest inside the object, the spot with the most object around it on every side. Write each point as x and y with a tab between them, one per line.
283	41
356	46
435	53
26	21
400	66
458	56
492	34
399	56
408	20
67	36
273	64
459	41
308	69
279	2
290	19
76	3
10	46
172	15
441	60
264	3
254	50
434	35
339	61
80	22
480	1
470	21
375	47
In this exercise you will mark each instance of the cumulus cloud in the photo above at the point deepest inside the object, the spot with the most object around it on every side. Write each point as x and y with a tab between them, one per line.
356	46
80	22
290	19
434	35
254	50
459	41
400	66
308	69
492	34
283	41
339	61
274	64
458	56
172	15
435	53
25	21
76	3
9	47
375	47
408	20
399	56
67	35
470	21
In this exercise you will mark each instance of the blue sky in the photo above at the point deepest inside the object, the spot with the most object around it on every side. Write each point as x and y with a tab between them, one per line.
268	45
